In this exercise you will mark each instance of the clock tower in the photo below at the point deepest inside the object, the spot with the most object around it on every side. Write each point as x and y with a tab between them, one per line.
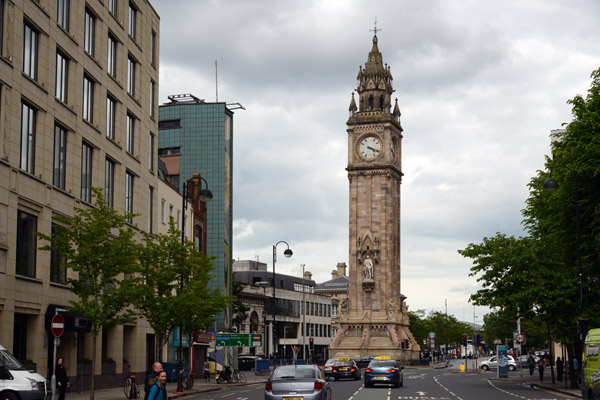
374	319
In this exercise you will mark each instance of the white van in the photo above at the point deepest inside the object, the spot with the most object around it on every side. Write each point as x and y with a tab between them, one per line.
16	382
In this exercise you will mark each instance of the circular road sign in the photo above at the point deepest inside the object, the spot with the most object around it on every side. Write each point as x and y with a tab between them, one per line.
58	325
520	338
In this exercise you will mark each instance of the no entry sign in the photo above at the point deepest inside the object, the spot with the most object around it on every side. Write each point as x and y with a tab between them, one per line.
58	325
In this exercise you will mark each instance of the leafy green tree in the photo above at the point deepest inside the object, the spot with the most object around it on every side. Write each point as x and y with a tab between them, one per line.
100	247
418	325
239	309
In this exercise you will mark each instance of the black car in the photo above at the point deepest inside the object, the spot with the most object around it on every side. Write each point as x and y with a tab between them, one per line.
385	371
345	368
364	362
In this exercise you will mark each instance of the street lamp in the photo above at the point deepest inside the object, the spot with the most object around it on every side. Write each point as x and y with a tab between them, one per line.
288	253
205	195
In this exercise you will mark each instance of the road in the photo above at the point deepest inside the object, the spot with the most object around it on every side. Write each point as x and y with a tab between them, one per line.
419	384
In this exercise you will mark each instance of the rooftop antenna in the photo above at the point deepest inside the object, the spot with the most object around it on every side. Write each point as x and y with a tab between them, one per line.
216	82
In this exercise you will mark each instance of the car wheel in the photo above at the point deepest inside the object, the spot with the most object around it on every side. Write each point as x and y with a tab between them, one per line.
335	379
368	385
511	368
485	368
9	396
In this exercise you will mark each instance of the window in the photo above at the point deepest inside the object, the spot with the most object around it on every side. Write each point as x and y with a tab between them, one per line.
58	263
30	51
88	99
132	20
28	115
152	95
109	182
112	7
112	56
62	75
60	156
131	76
153	48
86	172
150	208
178	219
1	24
169	124
89	33
170	211
26	243
151	155
129	196
169	151
63	14
130	133
163	203
111	105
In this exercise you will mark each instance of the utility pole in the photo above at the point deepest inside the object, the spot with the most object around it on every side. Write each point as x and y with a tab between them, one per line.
445	333
303	315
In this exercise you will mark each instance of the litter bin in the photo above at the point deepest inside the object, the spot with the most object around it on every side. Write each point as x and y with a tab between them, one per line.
171	370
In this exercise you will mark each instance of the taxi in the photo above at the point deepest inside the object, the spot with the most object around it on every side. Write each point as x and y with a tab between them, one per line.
383	370
345	368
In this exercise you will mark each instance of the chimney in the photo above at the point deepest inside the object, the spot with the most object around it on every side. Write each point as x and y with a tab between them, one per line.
341	269
307	275
334	274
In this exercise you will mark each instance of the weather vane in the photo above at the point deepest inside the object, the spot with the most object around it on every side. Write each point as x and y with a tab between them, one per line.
375	29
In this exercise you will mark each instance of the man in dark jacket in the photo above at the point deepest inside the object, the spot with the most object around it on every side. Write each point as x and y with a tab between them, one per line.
156	369
62	381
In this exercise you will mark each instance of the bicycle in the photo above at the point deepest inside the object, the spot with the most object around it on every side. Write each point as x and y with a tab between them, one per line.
238	376
189	380
130	387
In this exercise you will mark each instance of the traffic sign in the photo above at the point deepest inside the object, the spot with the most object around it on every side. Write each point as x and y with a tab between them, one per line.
58	325
239	339
520	338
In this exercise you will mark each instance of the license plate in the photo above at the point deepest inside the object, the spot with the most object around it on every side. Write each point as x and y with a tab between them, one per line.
293	398
379	378
343	369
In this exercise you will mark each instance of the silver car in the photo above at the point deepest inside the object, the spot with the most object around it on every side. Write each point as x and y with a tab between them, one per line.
305	382
492	363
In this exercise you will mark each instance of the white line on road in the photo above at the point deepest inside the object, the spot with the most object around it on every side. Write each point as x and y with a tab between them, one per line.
506	391
445	388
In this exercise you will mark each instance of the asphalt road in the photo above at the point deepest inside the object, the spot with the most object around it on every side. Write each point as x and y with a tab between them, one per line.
419	384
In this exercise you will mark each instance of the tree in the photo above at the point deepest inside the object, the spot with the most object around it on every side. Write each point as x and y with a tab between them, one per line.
99	246
239	309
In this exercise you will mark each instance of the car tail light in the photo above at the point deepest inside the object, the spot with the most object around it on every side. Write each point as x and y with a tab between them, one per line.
369	370
333	369
269	387
352	369
392	370
318	385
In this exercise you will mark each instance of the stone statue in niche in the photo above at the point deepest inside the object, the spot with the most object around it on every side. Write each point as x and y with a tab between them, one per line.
368	268
342	307
391	310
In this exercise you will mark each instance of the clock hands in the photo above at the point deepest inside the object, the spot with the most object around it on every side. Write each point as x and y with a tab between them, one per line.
375	150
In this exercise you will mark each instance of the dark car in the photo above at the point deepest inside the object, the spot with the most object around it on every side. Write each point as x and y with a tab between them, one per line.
305	382
247	363
345	368
383	370
364	362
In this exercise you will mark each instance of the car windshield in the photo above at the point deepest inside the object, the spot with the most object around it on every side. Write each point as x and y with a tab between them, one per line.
330	362
382	364
294	372
10	361
342	364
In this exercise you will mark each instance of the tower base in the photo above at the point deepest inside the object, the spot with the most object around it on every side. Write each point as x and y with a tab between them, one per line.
374	333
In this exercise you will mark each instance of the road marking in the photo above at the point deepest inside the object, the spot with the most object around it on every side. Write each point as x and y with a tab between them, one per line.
445	388
389	394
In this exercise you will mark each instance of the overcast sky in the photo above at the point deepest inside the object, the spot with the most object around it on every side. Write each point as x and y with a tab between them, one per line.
480	85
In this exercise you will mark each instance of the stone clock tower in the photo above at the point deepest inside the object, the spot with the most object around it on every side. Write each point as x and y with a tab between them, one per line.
374	319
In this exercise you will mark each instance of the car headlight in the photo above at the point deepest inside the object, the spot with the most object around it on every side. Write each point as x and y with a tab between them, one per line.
33	382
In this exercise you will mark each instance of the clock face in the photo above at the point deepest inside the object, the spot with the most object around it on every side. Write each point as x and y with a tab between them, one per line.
370	147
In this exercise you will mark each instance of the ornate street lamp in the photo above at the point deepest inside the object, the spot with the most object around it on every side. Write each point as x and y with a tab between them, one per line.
288	253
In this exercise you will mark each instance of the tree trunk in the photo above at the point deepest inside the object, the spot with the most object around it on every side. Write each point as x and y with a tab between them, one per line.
551	352
94	341
572	372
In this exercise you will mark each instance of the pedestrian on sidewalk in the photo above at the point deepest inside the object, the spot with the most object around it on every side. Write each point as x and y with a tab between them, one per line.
541	367
531	363
156	369
62	381
158	390
559	368
207	371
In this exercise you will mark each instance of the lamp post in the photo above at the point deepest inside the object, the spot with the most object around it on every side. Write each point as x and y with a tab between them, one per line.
288	253
205	195
303	315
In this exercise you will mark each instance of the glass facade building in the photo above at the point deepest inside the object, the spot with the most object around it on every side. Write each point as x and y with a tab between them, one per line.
201	134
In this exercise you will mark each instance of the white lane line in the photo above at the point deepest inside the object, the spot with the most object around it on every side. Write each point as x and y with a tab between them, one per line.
506	391
446	389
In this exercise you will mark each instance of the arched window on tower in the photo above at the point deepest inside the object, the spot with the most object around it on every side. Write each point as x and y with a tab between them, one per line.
381	102
370	103
198	238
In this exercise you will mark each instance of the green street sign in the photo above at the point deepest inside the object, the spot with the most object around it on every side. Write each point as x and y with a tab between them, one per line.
239	339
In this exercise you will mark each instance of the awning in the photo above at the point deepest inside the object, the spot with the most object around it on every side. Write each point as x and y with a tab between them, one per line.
74	321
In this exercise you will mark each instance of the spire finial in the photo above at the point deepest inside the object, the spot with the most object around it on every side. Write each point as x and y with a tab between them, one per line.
375	28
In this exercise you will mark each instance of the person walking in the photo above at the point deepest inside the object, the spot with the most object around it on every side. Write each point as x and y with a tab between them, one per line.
559	368
541	365
62	381
207	371
531	363
158	390
156	369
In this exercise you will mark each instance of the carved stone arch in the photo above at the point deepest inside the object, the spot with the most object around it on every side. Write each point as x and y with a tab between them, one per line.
254	322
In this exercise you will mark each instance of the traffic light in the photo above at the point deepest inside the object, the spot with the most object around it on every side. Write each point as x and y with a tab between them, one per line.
464	339
311	343
477	339
403	344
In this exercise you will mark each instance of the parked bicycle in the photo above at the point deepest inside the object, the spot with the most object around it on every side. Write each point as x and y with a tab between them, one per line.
238	376
130	387
189	380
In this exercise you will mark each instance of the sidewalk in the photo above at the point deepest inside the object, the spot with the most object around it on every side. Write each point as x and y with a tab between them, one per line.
200	386
519	376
